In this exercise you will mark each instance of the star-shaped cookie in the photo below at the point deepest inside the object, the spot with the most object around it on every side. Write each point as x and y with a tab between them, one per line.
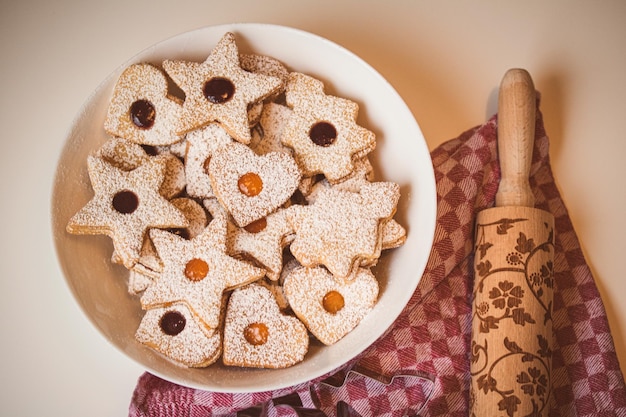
125	205
341	229
219	90
197	272
322	129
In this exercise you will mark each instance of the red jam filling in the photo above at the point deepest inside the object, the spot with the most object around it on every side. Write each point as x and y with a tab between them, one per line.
125	202
218	90
172	323
323	134
142	113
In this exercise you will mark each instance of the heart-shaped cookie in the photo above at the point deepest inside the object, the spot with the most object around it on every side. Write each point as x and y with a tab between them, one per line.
330	308
176	333
257	334
141	109
251	186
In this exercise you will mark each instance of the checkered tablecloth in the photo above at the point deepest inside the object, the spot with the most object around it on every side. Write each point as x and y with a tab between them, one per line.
421	366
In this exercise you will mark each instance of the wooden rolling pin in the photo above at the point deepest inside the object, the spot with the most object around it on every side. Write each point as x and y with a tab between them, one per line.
511	344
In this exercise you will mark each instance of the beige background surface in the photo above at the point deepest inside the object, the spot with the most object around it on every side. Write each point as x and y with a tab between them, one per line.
445	59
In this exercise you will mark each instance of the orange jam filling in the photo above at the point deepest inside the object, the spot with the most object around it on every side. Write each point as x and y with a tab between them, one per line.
333	302
256	333
196	269
250	184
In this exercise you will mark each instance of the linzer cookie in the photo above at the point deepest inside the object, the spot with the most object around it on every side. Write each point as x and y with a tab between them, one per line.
141	110
126	204
322	130
176	333
128	156
251	186
330	308
257	334
219	90
341	229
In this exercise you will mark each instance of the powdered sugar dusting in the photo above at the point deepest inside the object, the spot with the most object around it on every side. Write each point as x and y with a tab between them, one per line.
305	95
305	289
197	151
342	228
278	172
223	62
201	144
288	339
143	82
203	296
126	230
193	346
266	245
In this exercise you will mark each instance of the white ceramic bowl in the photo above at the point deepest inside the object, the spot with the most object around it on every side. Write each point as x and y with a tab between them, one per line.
401	156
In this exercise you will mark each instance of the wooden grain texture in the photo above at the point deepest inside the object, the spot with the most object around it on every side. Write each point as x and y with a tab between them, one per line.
511	345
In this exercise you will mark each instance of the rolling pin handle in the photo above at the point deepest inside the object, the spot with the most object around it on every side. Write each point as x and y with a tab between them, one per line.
516	136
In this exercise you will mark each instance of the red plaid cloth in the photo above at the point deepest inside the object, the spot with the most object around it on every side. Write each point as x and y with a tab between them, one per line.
421	366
